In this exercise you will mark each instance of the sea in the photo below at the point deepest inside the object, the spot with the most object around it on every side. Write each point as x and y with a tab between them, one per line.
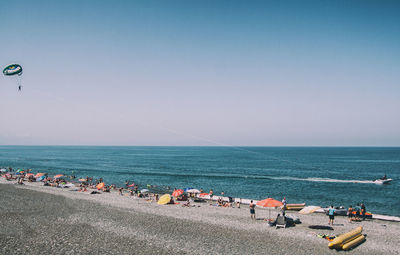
339	176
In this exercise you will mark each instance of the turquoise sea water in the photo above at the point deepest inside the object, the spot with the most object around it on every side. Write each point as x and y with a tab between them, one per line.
314	175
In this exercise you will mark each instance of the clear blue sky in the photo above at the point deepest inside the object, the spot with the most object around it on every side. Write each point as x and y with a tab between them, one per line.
201	72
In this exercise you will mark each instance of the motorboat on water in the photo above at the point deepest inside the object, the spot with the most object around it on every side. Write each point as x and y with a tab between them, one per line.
382	181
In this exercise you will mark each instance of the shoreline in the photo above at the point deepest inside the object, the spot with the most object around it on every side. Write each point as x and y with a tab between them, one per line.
208	221
244	201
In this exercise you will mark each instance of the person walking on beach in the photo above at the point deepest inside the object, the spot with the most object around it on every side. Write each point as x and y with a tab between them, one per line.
331	214
252	210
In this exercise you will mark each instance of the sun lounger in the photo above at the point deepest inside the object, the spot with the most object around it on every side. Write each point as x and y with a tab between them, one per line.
281	222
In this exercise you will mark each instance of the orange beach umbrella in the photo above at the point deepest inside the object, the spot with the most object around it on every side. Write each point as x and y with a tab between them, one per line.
177	192
203	194
58	176
269	202
39	175
100	186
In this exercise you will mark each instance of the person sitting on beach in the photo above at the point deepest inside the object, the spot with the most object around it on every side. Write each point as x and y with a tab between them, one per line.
120	191
20	180
220	202
350	213
82	188
238	204
227	204
187	204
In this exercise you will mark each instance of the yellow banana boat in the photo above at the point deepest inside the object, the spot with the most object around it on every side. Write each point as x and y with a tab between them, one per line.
339	241
353	243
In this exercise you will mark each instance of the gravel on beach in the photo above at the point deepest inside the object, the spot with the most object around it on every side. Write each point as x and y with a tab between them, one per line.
35	220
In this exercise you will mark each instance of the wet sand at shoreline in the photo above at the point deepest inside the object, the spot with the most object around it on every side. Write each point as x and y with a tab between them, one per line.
37	219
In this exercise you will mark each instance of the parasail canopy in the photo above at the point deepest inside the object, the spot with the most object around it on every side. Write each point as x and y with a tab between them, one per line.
13	69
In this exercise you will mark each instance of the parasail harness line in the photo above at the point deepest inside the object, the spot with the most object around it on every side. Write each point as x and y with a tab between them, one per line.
164	128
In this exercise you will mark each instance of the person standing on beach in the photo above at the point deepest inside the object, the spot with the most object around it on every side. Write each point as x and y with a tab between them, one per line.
252	210
350	213
284	203
331	214
363	211
358	209
211	194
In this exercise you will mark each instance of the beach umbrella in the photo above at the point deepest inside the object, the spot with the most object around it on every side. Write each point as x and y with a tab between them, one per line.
177	192
193	191
132	185
164	199
20	171
203	194
58	176
269	202
100	186
82	180
29	174
144	191
309	209
39	175
3	170
186	190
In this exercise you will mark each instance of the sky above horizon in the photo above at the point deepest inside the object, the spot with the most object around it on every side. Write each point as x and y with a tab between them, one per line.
251	73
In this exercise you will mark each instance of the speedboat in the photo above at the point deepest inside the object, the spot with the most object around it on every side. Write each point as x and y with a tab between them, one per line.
382	181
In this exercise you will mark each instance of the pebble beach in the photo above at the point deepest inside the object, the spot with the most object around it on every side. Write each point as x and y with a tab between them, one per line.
38	219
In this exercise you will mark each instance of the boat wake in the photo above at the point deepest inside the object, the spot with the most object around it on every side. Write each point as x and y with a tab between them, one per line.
313	179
